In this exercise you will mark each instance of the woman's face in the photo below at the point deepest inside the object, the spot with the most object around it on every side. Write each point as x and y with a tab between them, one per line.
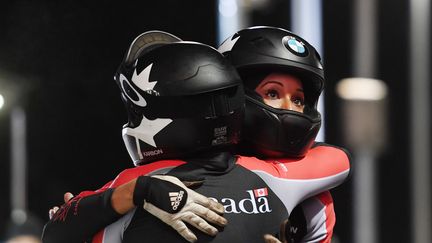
282	91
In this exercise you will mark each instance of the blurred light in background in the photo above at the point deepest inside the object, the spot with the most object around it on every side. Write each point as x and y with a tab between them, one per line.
234	15
365	120
228	8
306	21
18	169
18	216
361	89
420	114
364	117
364	113
231	17
1	101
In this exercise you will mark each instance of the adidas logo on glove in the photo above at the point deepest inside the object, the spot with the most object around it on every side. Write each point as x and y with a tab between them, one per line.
176	198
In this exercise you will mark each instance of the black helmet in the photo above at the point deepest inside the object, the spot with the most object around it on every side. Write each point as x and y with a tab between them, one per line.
181	98
258	51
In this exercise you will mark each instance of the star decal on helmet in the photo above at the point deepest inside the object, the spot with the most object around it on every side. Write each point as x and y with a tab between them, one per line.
228	45
148	129
142	80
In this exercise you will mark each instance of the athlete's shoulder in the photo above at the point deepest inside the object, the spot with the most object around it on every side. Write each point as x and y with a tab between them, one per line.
322	160
269	167
132	173
336	159
325	148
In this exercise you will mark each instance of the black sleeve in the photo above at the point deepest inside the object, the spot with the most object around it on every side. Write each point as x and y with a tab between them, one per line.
296	230
80	219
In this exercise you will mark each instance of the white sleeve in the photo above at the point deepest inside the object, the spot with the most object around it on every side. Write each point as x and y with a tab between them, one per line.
320	218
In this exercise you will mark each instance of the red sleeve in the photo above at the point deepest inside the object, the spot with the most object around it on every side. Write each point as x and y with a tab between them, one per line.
88	193
132	173
320	162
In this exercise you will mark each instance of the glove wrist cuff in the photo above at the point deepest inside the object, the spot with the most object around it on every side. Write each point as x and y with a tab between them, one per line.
141	190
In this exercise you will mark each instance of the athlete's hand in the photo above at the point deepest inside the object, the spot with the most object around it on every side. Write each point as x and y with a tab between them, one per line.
168	199
283	234
66	197
271	239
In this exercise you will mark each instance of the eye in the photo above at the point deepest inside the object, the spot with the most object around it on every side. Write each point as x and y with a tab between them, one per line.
298	101
272	94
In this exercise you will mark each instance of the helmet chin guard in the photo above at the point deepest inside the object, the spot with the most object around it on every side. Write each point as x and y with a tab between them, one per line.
281	132
257	52
181	98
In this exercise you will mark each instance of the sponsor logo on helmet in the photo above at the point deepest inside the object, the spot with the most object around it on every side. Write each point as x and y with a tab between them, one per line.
219	140
219	134
153	152
129	91
295	46
176	198
255	202
220	131
143	82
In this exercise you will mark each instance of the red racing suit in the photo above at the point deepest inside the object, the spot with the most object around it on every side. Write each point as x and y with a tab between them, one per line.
257	196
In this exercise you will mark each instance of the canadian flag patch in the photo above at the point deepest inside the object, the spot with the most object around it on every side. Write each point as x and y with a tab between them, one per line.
260	192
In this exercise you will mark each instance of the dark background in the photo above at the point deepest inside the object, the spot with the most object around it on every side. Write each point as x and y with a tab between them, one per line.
57	60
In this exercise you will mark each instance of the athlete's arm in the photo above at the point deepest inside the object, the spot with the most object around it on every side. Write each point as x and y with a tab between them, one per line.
313	220
84	215
80	218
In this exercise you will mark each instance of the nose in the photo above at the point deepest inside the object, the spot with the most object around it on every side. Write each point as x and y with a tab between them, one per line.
287	103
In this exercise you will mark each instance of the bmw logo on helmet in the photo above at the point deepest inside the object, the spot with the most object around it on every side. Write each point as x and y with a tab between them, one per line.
295	46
